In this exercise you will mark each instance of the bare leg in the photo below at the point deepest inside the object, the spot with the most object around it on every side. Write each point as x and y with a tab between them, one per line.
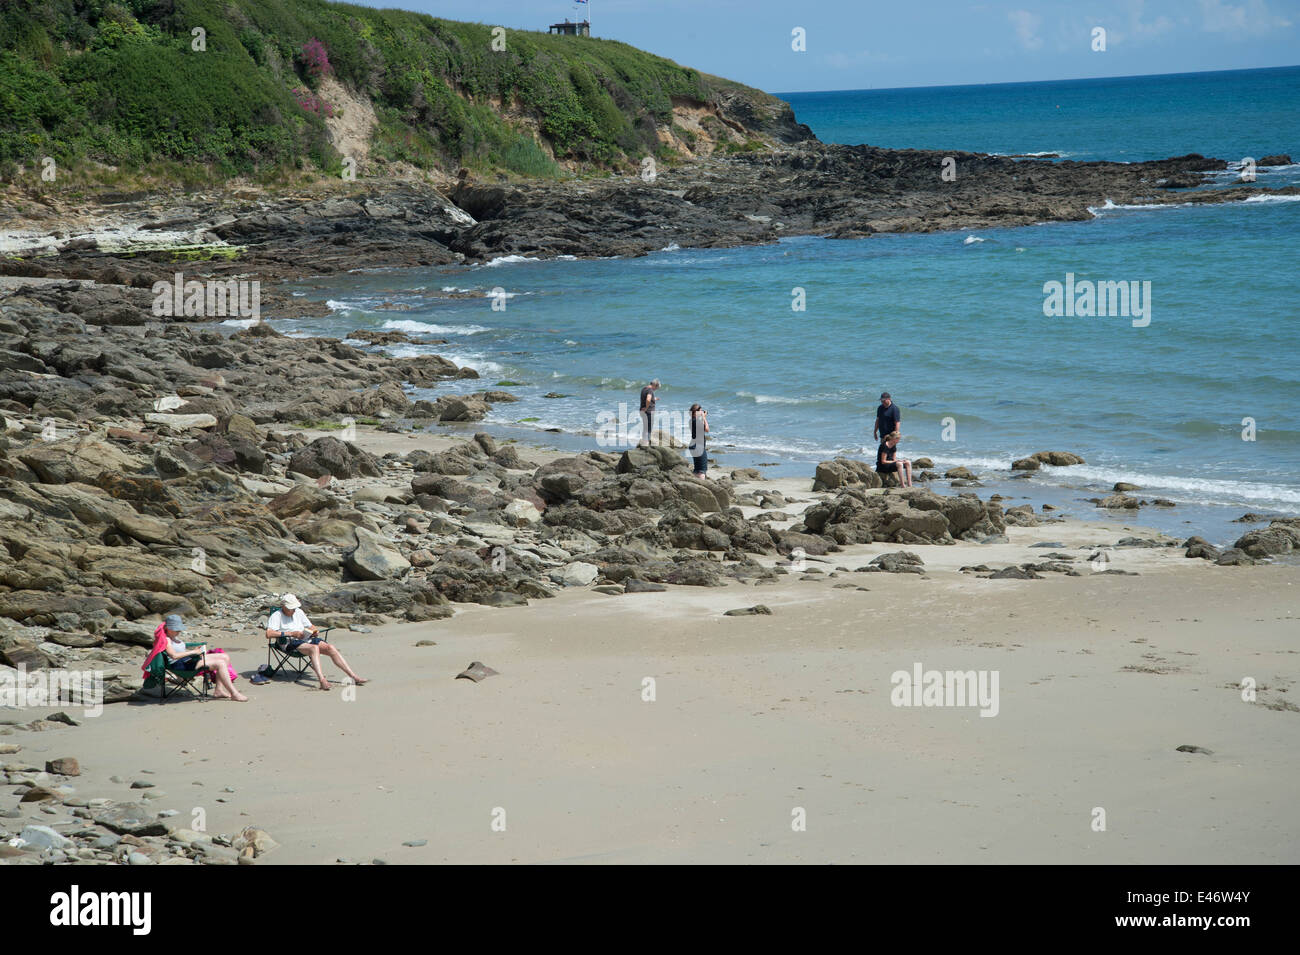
219	664
907	468
333	653
313	654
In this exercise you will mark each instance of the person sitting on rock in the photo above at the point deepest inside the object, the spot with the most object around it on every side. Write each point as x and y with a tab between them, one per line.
291	630
886	463
168	640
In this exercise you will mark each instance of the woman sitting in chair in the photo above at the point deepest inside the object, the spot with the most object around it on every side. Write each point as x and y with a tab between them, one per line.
291	630
168	640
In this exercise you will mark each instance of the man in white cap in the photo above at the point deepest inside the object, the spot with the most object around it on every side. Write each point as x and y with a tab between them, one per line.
292	630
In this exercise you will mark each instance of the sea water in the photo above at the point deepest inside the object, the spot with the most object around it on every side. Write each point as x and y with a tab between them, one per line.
1196	403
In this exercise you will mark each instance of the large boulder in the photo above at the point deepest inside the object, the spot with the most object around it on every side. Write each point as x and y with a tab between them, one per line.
561	479
375	558
415	600
576	574
81	460
334	457
521	513
1277	538
706	495
300	499
1117	502
842	472
463	409
649	458
1058	459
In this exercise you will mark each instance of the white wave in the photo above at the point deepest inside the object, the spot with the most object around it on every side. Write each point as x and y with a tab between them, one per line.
972	239
241	322
769	399
409	325
509	260
406	351
336	306
1021	248
988	464
671	247
1191	490
1110	205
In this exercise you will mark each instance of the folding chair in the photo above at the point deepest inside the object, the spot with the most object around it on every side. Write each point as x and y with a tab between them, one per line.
279	657
172	679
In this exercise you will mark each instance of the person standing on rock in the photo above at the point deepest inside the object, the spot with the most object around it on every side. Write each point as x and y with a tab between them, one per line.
888	463
291	630
888	418
699	451
648	400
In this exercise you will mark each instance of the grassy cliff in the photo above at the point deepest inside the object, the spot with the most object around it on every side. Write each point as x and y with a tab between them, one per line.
124	83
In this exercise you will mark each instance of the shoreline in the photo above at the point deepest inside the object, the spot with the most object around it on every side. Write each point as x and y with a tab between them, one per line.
571	669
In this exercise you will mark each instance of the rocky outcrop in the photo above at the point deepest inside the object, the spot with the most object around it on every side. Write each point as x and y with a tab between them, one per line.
912	517
330	456
844	472
1280	537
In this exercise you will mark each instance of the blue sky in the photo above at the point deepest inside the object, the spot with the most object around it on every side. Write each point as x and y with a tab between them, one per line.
858	44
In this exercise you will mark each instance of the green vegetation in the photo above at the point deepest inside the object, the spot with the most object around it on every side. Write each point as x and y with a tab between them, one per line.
128	83
507	383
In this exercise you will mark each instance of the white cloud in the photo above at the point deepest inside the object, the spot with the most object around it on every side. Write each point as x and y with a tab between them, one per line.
1251	18
1026	25
1160	24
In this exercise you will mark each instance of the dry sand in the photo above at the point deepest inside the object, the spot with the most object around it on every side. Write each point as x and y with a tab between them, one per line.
755	717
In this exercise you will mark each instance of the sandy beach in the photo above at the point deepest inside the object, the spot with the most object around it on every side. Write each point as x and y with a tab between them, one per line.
561	759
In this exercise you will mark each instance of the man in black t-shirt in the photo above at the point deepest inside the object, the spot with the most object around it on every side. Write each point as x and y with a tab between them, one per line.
888	418
648	410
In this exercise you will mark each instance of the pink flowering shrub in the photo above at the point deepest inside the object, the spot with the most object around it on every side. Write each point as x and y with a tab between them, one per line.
311	102
315	59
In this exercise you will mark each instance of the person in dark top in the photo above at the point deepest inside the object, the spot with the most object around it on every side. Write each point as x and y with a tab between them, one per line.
888	418
699	428
648	410
888	463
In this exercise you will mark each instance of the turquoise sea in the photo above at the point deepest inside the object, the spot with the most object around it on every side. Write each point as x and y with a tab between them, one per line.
952	324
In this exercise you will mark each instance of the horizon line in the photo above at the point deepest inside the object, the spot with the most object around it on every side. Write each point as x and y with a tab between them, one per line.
1065	79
